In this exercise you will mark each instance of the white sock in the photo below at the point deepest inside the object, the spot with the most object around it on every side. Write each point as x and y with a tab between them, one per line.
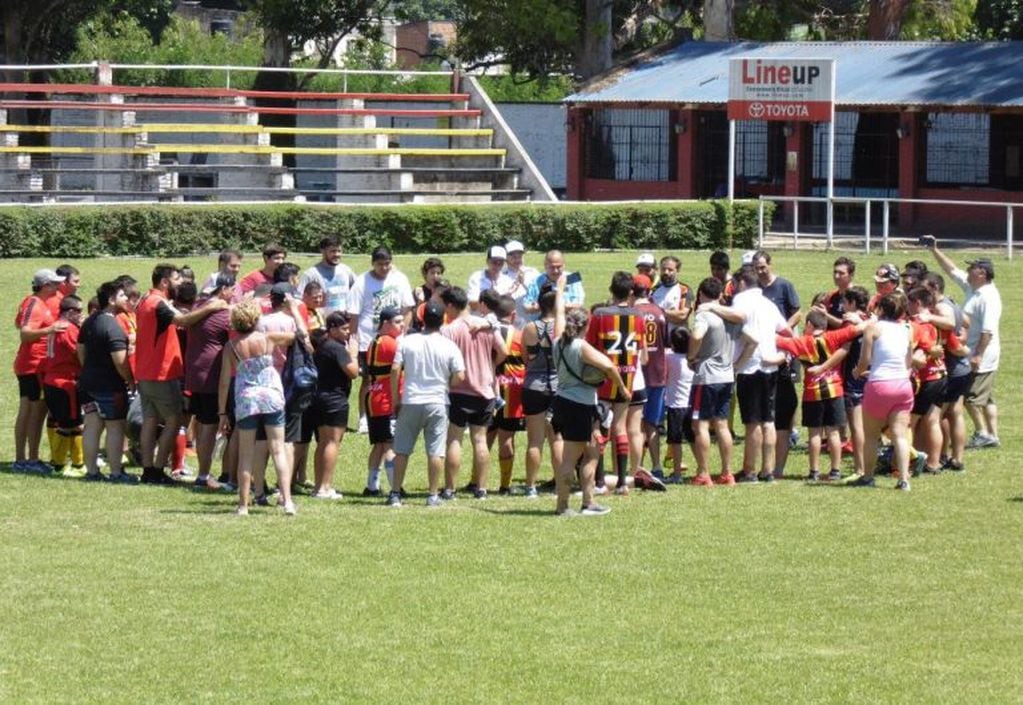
373	479
389	469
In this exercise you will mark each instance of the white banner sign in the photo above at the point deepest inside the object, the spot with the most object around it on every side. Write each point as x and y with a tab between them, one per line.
781	89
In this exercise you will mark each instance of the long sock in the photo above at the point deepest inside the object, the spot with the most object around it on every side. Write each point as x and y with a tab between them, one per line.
56	458
506	470
180	443
77	452
598	475
389	471
622	458
373	479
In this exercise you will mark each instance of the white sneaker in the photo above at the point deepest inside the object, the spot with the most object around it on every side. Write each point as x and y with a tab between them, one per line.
328	494
600	491
290	509
363	424
242	511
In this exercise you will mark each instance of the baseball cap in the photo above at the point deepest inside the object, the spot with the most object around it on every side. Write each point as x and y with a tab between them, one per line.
514	246
433	314
747	257
388	312
641	281
43	277
497	252
887	273
646	260
985	264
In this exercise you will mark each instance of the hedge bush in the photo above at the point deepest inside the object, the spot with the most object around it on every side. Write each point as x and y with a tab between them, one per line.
173	230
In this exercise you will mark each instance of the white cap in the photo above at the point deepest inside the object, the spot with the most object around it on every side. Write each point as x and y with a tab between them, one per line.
647	259
43	277
514	246
497	252
747	257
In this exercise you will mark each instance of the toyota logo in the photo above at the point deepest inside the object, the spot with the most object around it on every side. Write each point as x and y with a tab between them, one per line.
756	110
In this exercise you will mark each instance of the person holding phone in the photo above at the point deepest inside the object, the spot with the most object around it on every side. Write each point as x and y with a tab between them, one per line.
554	267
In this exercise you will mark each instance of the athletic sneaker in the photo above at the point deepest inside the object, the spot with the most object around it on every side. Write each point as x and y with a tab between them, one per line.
480	494
328	494
38	467
504	491
157	477
447	495
363	425
290	509
919	464
727	479
567	512
531	493
367	492
674	479
702	481
124	478
621	490
933	471
658	473
600	490
241	511
95	477
593	510
835	475
394	500
902	485
862	481
746	477
767	477
982	440
262	500
955	466
470	488
814	476
647	481
433	501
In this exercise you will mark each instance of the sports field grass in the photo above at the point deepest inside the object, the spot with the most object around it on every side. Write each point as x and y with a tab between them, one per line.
788	593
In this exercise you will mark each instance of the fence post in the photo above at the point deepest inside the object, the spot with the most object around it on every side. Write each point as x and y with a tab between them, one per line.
227	78
866	231
831	222
884	227
760	225
795	225
1008	231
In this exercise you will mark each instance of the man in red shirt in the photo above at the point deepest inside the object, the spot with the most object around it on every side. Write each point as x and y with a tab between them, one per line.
273	257
36	319
655	371
60	380
159	368
379	403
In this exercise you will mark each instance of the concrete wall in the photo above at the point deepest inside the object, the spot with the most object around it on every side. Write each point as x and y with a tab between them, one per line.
540	128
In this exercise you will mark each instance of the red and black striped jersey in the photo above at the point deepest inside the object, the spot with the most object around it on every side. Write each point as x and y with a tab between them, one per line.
655	334
814	350
926	337
511	373
618	332
379	357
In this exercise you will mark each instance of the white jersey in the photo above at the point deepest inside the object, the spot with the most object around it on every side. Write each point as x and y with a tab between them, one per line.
336	280
369	296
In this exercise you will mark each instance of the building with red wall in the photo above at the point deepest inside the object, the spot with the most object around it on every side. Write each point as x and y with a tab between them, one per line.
921	120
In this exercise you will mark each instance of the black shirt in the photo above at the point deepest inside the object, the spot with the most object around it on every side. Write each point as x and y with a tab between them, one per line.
331	357
101	335
782	294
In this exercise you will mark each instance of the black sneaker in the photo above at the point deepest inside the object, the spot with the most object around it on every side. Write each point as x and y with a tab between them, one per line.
470	488
746	477
156	477
402	493
549	486
814	476
767	477
863	481
367	492
394	500
504	491
835	475
902	485
480	494
262	500
447	495
955	466
594	510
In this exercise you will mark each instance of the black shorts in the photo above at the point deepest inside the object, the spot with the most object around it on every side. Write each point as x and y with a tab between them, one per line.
680	425
786	401
469	410
826	412
930	394
29	387
534	402
380	429
574	421
63	408
956	388
711	401
503	423
326	410
756	393
203	406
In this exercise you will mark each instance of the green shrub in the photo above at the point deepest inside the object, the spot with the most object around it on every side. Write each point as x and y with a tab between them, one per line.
181	229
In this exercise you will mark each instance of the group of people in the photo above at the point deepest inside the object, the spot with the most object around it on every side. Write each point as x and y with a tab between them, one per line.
256	367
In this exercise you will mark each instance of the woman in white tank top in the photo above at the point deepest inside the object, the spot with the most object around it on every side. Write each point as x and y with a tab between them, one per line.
886	361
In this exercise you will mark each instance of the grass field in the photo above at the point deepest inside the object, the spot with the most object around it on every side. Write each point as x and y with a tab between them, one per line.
788	593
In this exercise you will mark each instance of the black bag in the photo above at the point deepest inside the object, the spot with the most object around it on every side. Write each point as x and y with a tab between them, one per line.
299	378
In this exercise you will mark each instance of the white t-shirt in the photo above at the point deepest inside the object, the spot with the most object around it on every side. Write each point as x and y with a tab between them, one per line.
480	282
518	292
369	296
679	380
336	280
429	360
763	322
984	307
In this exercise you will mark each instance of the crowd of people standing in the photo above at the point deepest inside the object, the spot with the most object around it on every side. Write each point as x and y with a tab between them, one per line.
257	367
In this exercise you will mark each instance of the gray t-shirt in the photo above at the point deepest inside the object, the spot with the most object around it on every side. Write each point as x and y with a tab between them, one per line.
429	360
336	281
714	359
570	357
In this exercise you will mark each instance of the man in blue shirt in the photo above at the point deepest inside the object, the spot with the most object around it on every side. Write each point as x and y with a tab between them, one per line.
554	266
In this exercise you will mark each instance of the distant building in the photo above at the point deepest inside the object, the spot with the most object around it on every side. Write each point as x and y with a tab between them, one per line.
417	41
921	120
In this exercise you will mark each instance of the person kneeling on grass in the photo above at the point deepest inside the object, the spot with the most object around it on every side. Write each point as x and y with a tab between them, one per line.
822	352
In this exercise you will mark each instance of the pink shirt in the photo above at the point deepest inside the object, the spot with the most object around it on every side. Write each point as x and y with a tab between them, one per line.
478	350
278	322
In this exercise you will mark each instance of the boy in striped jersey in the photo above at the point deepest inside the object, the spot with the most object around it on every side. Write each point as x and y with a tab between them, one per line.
618	330
379	403
510	375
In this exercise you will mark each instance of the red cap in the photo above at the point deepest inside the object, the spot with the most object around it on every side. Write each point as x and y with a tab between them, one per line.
641	281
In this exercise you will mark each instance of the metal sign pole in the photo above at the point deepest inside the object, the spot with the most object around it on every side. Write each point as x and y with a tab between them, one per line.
831	163
731	160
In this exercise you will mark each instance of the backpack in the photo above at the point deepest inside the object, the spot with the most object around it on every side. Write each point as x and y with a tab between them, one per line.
299	378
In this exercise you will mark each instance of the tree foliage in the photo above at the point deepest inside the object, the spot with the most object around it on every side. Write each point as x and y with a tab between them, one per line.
999	19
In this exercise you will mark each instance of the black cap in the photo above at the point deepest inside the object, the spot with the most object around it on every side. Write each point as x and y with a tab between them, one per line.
387	313
280	291
433	314
985	264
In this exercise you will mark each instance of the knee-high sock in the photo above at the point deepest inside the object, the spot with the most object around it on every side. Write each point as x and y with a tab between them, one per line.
622	458
77	452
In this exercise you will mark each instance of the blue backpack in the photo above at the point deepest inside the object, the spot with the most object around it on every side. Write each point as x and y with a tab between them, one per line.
299	378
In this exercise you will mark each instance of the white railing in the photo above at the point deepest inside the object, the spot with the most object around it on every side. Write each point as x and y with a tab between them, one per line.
866	234
345	73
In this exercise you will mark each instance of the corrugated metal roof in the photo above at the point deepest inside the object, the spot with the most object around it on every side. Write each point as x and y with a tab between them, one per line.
986	74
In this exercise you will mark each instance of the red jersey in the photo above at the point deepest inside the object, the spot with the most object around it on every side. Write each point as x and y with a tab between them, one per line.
250	282
655	337
126	320
925	338
34	313
511	373
62	357
618	332
813	350
379	358
157	350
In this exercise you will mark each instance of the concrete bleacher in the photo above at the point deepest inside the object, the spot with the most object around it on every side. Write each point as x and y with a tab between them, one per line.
108	143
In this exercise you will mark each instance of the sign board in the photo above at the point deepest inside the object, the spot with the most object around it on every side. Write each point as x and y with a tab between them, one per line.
797	90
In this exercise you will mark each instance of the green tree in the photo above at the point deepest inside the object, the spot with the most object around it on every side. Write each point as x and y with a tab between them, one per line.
999	19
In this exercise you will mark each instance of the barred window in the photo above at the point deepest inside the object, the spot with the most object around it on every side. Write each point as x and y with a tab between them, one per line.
958	149
866	154
760	151
630	145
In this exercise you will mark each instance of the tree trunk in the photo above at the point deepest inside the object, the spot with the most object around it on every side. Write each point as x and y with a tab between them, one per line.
595	51
717	20
884	23
277	53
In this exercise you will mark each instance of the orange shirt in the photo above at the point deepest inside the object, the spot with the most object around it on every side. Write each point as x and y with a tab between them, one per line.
34	313
925	338
379	358
62	357
157	349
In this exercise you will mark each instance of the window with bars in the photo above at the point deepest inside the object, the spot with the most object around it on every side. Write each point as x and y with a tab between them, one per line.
759	154
630	145
866	154
958	149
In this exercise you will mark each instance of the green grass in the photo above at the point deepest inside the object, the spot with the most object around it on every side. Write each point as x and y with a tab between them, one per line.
789	593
